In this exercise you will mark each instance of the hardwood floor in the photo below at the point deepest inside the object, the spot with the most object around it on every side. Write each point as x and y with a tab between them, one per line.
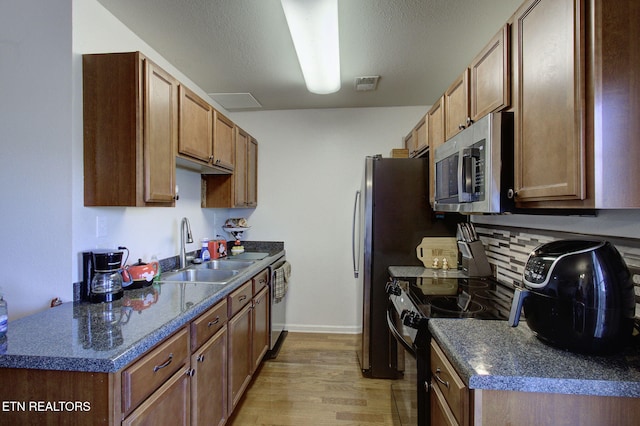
315	380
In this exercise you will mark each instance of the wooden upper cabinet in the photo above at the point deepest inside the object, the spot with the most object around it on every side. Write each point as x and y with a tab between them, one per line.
252	173
240	189
130	108
456	106
417	140
490	77
435	138
196	126
223	141
550	110
240	174
410	143
160	134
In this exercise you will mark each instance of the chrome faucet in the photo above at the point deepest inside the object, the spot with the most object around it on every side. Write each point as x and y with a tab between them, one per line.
184	225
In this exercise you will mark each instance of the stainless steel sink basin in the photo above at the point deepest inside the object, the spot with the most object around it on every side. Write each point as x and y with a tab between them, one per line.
227	264
199	275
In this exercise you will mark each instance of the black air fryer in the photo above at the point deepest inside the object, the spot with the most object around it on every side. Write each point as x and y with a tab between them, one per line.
578	296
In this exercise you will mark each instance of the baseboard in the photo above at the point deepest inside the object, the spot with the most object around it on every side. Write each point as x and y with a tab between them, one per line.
332	329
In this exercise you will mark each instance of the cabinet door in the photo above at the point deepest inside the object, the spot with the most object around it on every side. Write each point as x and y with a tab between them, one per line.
169	405
160	134
440	412
549	128
209	381
260	326
223	142
240	172
196	126
435	132
421	135
252	173
410	143
456	104
239	350
490	77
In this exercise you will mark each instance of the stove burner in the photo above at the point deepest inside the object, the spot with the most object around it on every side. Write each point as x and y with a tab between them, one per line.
449	305
488	294
473	284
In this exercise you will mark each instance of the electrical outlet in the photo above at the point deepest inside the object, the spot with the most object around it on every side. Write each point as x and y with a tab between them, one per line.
101	227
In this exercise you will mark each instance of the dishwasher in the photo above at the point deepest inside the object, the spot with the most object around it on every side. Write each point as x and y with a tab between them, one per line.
278	285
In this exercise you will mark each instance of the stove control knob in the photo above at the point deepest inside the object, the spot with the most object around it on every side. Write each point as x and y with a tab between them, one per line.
393	289
410	318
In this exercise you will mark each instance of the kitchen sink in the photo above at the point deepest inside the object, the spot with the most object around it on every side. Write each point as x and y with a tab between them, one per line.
227	264
199	275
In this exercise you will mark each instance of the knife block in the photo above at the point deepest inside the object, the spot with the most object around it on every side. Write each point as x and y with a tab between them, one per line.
474	259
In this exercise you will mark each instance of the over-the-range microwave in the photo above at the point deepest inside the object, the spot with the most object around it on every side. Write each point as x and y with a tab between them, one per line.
474	169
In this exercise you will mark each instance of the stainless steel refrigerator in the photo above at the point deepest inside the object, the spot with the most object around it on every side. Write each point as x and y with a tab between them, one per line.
391	216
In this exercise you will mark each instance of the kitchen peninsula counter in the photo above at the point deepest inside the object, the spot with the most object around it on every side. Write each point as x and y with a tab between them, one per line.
101	338
491	355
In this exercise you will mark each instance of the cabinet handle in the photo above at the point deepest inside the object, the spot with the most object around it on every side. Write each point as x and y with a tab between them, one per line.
437	376
190	372
211	158
214	322
242	298
200	358
164	364
461	126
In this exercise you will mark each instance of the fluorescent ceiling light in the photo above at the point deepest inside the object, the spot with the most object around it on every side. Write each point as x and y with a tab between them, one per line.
314	29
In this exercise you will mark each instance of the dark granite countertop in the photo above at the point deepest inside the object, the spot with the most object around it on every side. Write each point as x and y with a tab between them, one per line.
106	337
493	355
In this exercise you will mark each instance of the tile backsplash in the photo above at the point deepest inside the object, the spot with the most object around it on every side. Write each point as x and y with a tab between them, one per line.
508	250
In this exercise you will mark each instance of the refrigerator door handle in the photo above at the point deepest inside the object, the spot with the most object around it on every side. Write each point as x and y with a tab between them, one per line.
355	255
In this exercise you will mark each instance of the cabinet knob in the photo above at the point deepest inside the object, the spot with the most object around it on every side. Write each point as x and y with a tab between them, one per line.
190	372
461	126
511	194
200	358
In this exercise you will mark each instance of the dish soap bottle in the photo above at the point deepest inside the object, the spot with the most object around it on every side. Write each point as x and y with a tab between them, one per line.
204	252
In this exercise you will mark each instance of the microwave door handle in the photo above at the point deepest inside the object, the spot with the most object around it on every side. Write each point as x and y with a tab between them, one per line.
468	174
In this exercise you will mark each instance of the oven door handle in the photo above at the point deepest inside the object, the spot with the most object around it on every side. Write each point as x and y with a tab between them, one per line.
396	334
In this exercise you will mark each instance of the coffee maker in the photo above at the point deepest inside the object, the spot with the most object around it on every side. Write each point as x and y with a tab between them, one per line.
102	275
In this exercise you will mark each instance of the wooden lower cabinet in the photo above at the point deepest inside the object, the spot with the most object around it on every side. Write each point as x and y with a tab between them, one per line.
260	341
169	405
209	381
452	403
240	363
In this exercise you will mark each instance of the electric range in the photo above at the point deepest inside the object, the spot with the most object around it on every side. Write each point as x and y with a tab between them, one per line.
415	296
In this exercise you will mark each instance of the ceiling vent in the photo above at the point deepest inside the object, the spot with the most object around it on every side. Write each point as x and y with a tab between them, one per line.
365	84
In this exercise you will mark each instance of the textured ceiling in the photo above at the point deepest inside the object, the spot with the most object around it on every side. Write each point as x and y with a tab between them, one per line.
237	46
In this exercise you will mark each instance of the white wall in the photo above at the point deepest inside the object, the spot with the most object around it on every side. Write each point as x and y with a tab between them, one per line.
35	164
310	165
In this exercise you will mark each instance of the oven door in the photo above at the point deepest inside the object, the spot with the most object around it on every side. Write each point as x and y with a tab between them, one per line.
403	391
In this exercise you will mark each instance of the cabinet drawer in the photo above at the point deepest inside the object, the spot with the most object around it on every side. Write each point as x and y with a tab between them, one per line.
153	369
239	298
445	378
208	324
260	281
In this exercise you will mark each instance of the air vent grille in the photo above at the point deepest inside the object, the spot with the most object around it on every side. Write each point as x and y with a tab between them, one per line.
364	84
